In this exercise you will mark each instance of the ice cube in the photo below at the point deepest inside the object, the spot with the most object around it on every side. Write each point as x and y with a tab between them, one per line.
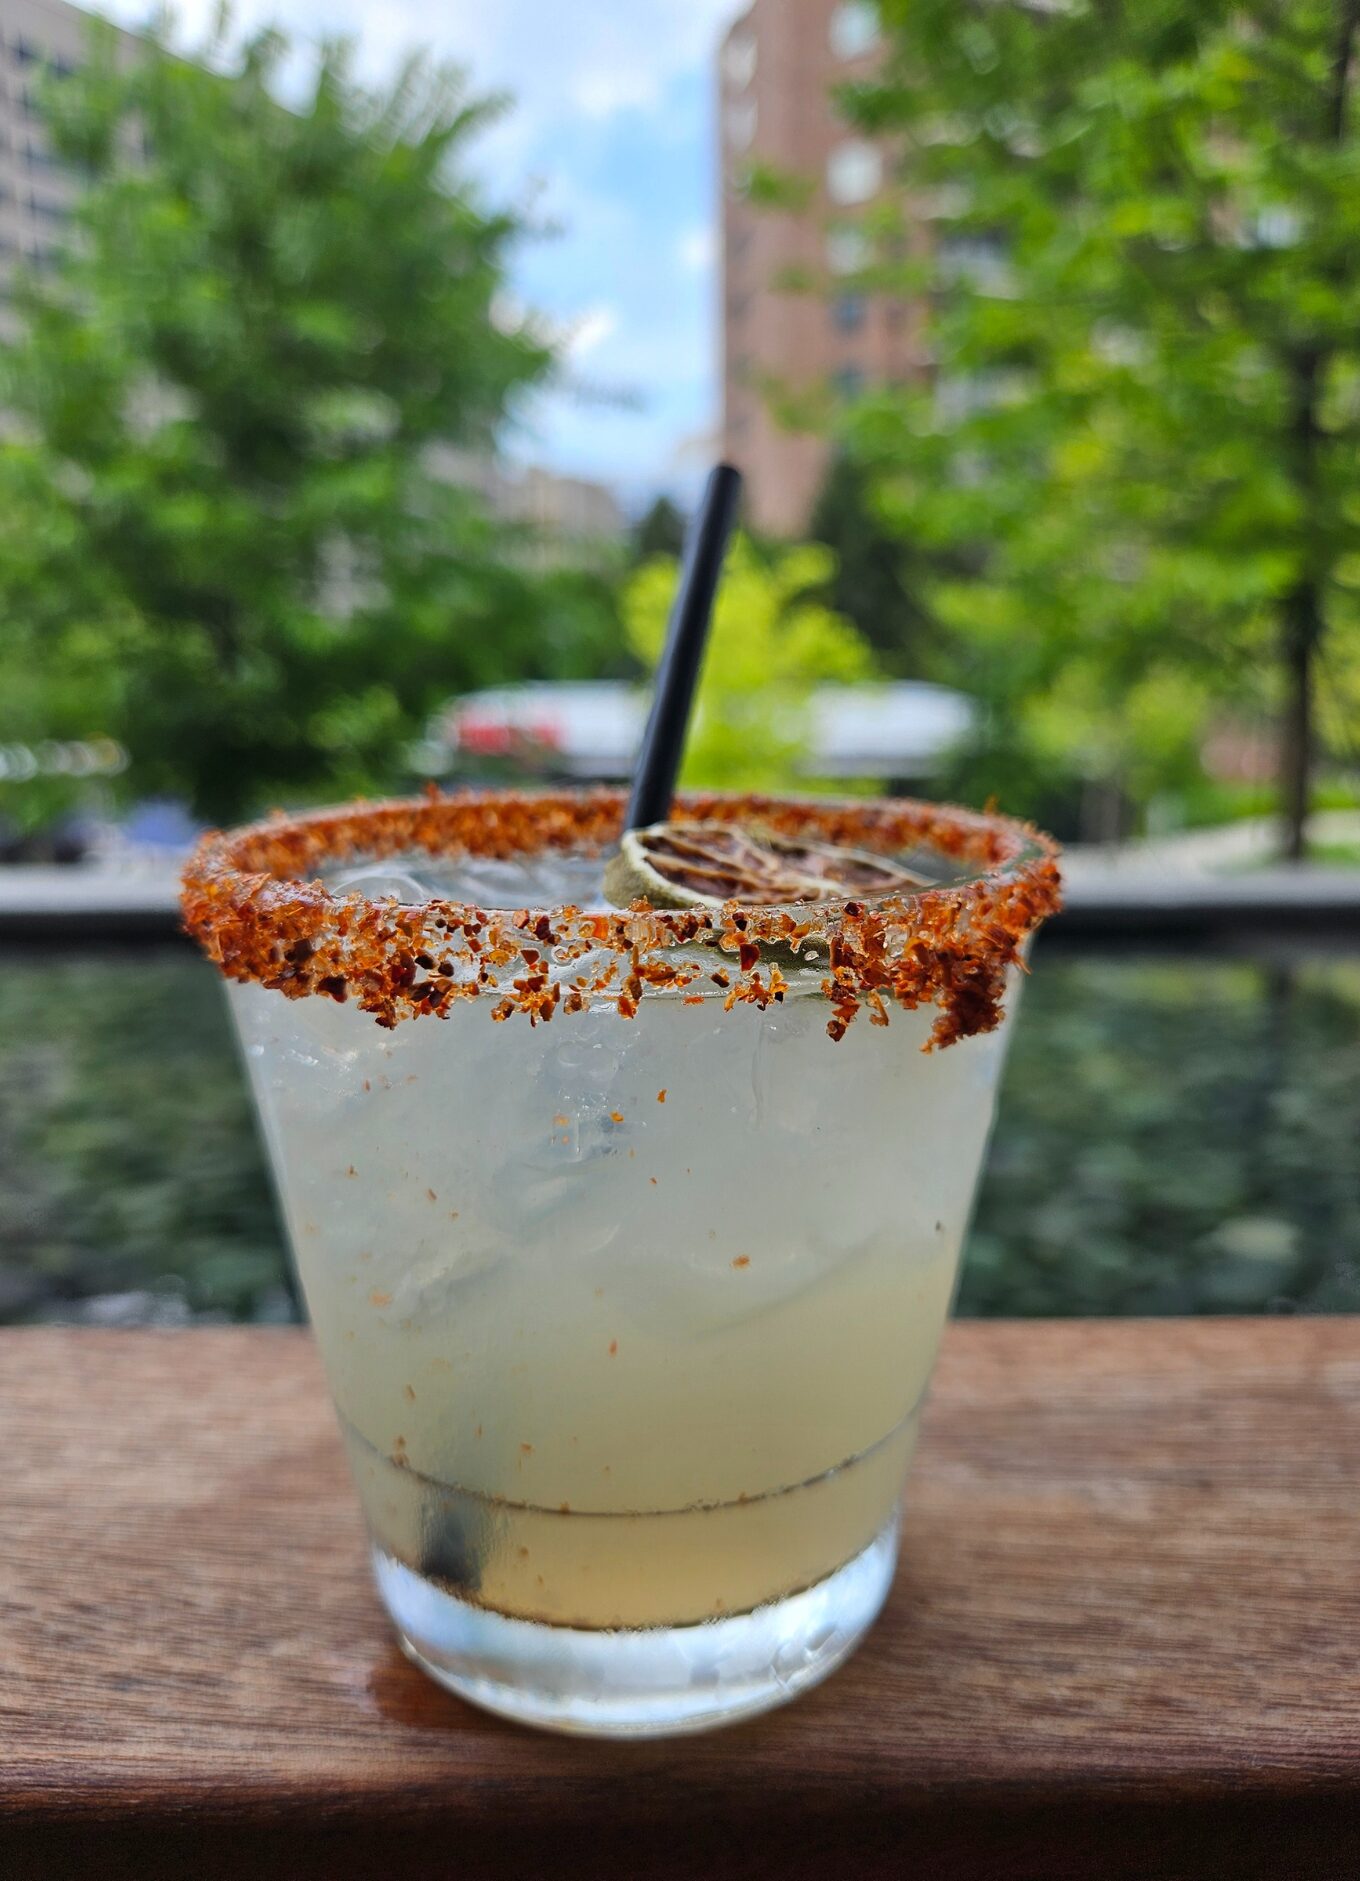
501	883
378	881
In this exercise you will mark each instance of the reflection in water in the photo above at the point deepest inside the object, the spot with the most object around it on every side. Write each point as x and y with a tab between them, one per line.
1175	1135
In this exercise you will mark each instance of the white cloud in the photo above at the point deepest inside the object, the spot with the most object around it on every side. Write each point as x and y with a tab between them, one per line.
590	330
697	249
560	61
595	58
602	93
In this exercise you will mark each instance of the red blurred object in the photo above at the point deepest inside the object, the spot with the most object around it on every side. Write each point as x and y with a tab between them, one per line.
494	737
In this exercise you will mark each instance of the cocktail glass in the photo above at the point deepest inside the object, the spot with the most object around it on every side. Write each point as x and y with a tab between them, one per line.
627	1237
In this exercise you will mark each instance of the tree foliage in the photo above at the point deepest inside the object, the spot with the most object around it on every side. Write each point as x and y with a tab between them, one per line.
660	531
876	578
1144	274
225	537
771	644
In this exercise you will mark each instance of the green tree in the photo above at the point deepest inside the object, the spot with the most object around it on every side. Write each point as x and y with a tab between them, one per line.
660	531
771	644
225	535
874	584
1145	278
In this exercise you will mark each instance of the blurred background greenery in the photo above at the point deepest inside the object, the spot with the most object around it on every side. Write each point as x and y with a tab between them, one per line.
244	526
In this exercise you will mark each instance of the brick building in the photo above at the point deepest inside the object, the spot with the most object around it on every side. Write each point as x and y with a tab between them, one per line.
36	190
776	69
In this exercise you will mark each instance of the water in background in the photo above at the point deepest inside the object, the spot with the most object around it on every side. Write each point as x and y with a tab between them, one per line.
1175	1135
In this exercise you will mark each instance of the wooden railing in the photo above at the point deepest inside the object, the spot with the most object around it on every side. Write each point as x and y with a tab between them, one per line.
1124	1639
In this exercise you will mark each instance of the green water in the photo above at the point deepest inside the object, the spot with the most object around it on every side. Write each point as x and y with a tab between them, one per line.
1175	1135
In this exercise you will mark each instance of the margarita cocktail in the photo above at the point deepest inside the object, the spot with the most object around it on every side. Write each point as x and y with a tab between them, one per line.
628	1235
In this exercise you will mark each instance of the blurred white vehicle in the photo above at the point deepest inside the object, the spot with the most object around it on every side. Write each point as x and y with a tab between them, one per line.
897	730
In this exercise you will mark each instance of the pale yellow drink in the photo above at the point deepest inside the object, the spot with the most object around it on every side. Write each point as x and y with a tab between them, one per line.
605	1358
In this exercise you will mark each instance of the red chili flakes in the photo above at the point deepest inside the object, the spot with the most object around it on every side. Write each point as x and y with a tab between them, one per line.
661	1097
379	1298
613	1348
652	1180
742	1260
433	1197
410	1392
526	1449
616	1116
561	1120
252	900
351	1171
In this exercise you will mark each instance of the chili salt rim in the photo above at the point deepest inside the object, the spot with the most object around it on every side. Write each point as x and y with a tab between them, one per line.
250	899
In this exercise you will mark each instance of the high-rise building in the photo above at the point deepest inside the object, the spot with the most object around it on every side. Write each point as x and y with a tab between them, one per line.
777	68
36	189
568	521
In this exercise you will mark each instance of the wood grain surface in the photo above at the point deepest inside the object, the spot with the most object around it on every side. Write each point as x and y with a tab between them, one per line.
1124	1638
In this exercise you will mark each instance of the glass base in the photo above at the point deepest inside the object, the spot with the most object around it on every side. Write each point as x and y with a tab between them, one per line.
645	1681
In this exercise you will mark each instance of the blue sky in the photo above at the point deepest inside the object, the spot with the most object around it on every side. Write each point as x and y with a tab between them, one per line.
611	141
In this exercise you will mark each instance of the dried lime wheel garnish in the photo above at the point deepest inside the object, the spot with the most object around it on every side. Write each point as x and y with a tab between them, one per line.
704	865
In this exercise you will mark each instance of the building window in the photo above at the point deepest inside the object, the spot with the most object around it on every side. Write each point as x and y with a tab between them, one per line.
847	249
854	29
960	396
1276	227
739	60
741	123
49	211
848	311
848	383
854	171
980	260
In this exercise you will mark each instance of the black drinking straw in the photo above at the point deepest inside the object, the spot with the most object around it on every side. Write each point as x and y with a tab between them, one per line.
663	742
